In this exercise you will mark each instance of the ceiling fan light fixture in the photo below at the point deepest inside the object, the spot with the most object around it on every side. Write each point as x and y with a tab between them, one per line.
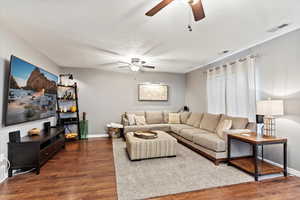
135	68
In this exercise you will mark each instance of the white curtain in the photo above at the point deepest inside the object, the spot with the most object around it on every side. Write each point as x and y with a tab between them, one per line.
216	81
234	88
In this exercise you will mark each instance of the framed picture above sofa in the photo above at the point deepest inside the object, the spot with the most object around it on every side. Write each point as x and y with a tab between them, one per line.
153	92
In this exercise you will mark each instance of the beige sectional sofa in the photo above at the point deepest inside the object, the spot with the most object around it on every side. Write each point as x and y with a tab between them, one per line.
195	130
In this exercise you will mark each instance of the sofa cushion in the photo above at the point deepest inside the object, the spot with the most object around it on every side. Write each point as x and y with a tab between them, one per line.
190	133
239	122
224	117
174	118
184	117
194	120
148	127
210	141
137	113
176	128
140	120
210	122
154	117
166	116
222	126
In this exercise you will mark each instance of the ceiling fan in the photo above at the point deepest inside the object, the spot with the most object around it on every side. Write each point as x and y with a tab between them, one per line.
136	65
196	6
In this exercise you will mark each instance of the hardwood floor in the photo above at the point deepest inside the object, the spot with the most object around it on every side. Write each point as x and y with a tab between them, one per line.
274	189
85	171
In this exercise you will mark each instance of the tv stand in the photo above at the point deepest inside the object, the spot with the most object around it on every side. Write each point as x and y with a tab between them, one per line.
35	151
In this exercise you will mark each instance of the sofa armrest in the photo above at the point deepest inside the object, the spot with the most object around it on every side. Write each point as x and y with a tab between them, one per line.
251	126
124	120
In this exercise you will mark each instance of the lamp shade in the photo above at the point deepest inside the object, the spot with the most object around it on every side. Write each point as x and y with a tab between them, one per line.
270	107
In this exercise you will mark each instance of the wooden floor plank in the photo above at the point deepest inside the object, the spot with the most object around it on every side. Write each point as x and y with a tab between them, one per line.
85	171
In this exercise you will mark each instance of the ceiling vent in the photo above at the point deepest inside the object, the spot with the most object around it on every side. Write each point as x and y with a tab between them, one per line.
277	28
224	52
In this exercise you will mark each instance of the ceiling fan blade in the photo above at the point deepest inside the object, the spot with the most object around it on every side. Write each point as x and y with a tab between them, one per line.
126	63
148	66
158	7
198	10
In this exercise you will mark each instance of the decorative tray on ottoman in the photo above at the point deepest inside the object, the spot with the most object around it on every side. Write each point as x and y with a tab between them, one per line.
145	134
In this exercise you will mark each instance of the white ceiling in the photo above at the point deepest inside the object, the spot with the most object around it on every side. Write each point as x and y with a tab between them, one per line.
96	33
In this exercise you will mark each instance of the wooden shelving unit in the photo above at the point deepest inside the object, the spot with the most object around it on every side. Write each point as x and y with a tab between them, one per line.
72	120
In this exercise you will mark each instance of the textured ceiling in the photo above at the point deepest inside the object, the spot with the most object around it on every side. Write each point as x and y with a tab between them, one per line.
98	33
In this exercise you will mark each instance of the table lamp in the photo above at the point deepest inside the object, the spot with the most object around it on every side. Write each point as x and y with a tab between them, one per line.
270	108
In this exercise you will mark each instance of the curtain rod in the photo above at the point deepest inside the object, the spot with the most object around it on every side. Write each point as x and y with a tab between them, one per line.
234	62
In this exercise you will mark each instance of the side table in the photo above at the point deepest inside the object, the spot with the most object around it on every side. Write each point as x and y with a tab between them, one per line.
115	130
253	164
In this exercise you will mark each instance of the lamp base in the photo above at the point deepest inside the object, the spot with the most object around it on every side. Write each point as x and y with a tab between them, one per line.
269	127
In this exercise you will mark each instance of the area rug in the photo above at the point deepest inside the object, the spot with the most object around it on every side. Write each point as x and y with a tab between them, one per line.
188	171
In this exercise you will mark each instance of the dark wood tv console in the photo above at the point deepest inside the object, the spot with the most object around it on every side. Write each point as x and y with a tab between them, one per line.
34	151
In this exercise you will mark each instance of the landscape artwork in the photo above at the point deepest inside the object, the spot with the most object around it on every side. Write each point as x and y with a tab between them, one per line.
32	93
153	92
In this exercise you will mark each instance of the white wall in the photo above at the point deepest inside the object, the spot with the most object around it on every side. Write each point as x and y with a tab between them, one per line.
278	69
106	95
12	44
195	96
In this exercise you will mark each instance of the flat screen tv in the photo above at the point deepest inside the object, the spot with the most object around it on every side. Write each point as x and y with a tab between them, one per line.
31	93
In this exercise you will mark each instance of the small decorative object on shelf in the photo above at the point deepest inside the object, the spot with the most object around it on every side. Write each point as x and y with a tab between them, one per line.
67	106
73	108
66	80
71	135
34	131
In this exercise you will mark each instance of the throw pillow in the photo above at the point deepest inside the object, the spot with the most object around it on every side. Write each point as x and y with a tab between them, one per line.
154	117
184	117
210	122
239	122
140	120
194	120
223	126
131	119
174	118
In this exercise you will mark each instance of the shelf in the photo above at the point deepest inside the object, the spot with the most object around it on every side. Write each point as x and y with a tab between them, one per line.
69	136
66	86
70	123
247	164
68	112
63	99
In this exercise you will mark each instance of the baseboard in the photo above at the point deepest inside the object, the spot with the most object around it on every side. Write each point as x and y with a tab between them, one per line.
97	135
290	170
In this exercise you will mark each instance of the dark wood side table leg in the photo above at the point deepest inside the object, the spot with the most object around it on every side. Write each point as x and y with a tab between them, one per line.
262	152
37	172
255	148
228	150
10	172
123	134
285	159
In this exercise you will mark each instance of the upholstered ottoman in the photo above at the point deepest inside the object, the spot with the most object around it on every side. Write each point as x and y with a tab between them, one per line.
162	146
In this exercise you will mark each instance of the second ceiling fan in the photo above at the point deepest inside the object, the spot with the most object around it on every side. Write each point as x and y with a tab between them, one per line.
196	6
